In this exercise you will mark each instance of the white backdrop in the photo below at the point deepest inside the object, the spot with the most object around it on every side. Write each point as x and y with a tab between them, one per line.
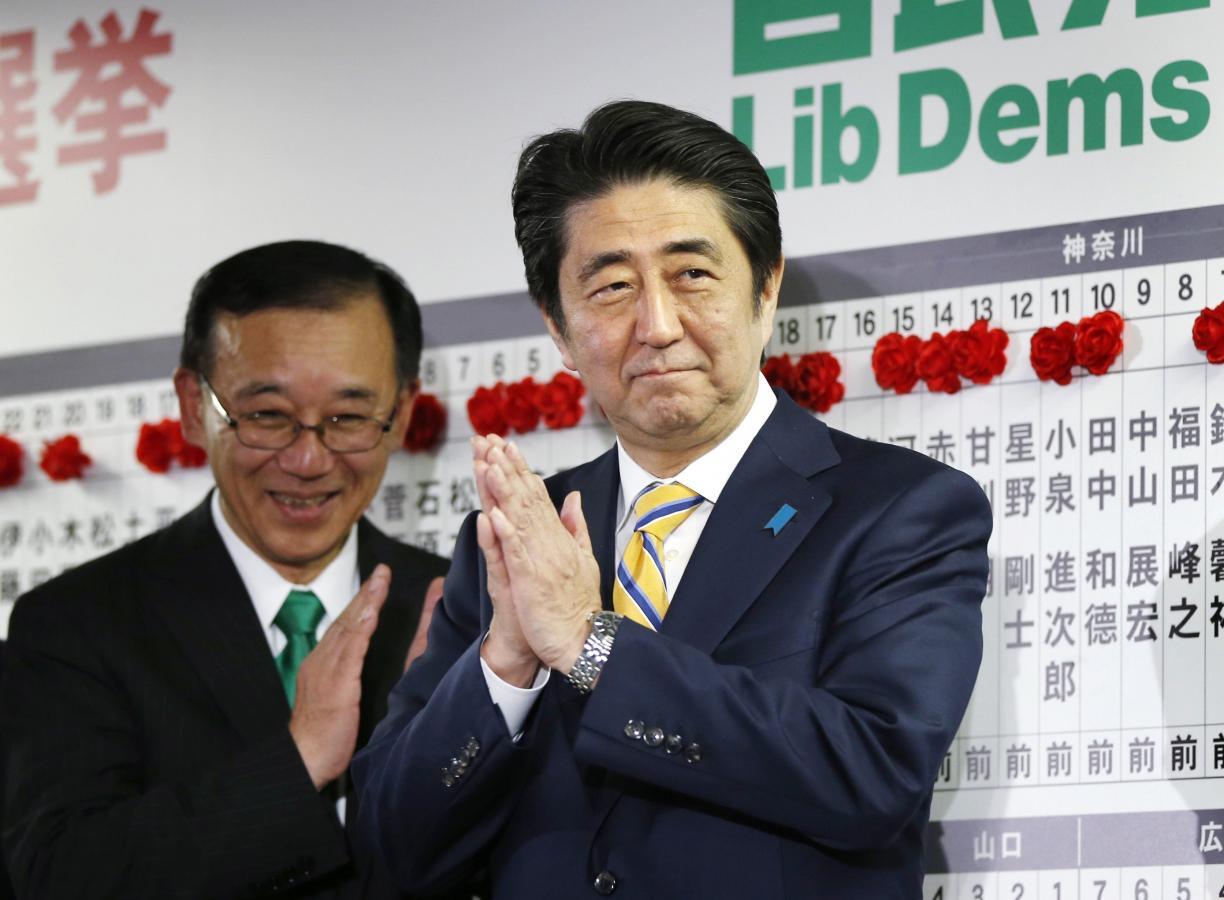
394	127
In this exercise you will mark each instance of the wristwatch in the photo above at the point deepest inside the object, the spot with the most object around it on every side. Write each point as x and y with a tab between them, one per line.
595	651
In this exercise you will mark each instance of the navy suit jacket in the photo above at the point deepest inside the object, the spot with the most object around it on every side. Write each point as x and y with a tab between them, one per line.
822	673
145	729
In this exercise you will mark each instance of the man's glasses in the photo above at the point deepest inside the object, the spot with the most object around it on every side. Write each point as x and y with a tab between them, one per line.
270	430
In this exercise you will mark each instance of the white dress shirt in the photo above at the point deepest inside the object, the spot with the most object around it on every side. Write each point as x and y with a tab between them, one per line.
707	475
335	586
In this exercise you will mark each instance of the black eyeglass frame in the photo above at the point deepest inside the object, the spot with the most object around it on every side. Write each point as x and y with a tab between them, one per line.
299	426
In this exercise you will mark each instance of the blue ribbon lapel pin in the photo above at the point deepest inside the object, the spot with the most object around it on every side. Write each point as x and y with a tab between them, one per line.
785	513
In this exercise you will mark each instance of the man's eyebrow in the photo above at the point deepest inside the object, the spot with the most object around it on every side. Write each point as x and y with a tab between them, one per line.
259	388
601	261
357	393
263	388
699	246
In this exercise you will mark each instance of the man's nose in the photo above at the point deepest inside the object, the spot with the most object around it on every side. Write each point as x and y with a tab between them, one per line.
306	457
658	323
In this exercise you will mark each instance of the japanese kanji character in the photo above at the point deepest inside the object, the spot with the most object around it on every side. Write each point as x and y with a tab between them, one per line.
17	87
96	101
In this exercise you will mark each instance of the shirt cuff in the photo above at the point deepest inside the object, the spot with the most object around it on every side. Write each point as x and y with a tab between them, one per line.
514	702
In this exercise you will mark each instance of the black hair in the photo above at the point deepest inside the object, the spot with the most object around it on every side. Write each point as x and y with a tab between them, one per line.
627	142
299	275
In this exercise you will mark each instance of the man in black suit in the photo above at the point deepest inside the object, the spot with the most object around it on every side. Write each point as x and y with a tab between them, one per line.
179	715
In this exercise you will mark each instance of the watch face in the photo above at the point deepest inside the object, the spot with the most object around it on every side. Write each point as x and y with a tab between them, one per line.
605	624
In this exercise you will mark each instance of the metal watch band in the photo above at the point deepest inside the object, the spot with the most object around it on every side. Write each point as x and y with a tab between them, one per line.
595	651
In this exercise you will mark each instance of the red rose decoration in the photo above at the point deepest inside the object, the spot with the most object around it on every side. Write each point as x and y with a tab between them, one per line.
153	447
519	405
11	461
160	445
936	363
779	371
560	401
484	409
426	425
1098	341
893	361
978	352
63	460
189	455
815	382
1209	333
1052	352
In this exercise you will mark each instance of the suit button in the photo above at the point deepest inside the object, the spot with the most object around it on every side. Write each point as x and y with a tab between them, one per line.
674	743
692	753
605	883
458	766
654	736
447	778
634	729
472	746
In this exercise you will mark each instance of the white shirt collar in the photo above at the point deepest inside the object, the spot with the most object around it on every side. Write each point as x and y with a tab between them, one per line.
334	586
709	473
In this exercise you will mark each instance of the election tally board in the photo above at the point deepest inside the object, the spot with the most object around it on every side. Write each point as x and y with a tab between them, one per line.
1091	761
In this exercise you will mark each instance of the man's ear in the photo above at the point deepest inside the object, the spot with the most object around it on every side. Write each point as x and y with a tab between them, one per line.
405	400
769	301
191	406
554	331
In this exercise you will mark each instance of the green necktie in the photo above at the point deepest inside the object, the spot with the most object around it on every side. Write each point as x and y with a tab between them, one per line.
298	618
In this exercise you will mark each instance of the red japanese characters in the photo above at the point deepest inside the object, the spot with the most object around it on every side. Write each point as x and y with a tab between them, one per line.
427	427
1208	333
63	459
107	105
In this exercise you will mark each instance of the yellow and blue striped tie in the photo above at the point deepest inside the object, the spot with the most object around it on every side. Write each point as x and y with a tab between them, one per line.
640	590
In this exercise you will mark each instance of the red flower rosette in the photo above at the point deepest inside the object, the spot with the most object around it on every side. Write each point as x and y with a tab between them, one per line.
519	405
485	411
1209	333
560	401
63	460
12	461
162	444
1098	341
893	362
427	424
978	353
816	384
153	449
936	363
1052	353
779	371
189	455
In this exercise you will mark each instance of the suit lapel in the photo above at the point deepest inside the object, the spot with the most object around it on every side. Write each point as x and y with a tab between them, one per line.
204	604
738	554
384	661
599	484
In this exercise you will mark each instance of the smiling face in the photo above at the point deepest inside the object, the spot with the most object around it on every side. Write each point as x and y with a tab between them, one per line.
294	507
656	292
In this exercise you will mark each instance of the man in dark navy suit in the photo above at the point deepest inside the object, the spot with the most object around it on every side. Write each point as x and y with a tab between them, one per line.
724	659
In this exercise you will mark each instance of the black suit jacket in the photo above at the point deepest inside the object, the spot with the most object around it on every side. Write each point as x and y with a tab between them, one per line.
145	729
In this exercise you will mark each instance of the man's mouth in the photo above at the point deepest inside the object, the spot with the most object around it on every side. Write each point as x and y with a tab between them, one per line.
293	501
